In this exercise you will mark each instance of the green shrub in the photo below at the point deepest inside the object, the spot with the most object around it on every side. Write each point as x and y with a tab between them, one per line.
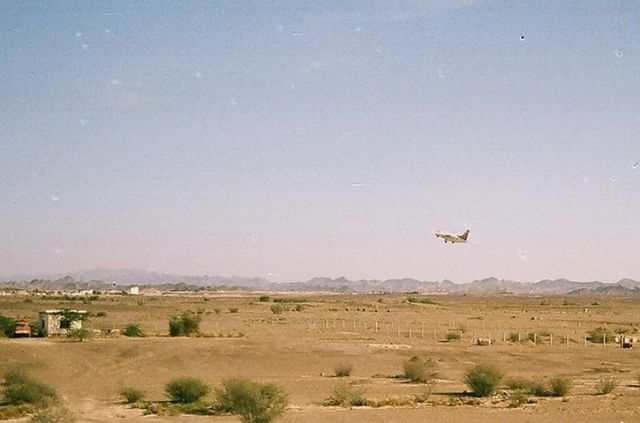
598	334
453	336
7	326
253	402
514	337
20	388
606	385
483	379
418	371
131	395
186	389
560	386
184	325
264	299
343	369
277	309
133	330
346	396
518	399
538	389
518	384
80	335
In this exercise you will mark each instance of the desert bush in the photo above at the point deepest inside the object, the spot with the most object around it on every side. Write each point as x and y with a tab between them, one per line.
184	325
254	402
345	395
560	386
518	399
483	379
80	335
20	388
233	309
598	334
514	337
264	298
538	389
420	300
277	309
453	336
131	395
56	414
343	369
7	326
186	389
606	385
518	383
418	371
133	330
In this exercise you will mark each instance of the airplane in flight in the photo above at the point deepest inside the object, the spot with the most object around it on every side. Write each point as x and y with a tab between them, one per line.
453	238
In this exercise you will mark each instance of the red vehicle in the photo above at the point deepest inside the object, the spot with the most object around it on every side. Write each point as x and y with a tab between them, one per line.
22	329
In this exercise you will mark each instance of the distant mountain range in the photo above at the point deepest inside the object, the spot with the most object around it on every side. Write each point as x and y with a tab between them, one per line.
107	278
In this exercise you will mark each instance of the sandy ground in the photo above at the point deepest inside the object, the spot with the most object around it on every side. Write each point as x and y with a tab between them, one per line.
299	350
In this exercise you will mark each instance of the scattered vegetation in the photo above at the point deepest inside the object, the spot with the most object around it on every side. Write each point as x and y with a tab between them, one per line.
483	379
264	298
20	388
133	330
79	335
453	336
184	325
560	386
420	300
186	389
518	399
343	369
418	371
514	337
277	309
131	395
599	334
253	402
7	326
606	386
345	395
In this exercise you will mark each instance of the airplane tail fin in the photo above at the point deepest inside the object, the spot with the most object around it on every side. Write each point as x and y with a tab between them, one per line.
465	235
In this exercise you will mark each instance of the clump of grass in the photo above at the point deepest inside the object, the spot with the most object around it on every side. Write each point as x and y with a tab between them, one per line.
201	408
453	336
599	334
483	379
133	330
277	309
185	324
343	369
79	335
418	371
513	337
186	389
606	386
264	298
254	402
518	399
346	396
560	386
20	388
131	395
518	384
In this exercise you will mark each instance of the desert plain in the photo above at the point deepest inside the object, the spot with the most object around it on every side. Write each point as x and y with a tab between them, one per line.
299	347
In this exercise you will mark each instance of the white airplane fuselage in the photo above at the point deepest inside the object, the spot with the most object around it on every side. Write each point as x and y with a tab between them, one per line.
453	238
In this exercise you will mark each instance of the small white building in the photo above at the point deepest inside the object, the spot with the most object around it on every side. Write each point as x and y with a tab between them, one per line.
134	290
56	322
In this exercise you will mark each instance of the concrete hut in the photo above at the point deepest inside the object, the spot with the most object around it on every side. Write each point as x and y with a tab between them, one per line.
57	322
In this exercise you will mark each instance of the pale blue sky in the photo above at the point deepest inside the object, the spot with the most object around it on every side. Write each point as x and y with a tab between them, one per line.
295	139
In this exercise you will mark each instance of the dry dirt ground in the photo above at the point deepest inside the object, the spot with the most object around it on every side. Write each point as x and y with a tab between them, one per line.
300	349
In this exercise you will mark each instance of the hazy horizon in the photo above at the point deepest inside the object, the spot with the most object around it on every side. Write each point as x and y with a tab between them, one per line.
289	140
